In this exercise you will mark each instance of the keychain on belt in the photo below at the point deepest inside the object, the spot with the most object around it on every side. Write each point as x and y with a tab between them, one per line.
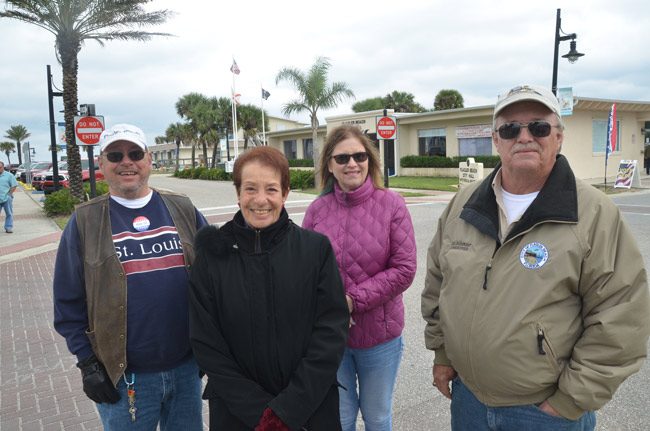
130	392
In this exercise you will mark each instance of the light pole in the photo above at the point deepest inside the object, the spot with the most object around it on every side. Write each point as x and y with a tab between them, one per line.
573	55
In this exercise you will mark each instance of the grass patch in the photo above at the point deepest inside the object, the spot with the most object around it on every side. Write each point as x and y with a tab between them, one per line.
411	194
446	184
61	221
611	190
310	191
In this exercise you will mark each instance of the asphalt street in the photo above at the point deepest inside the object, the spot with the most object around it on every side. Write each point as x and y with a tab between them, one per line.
40	387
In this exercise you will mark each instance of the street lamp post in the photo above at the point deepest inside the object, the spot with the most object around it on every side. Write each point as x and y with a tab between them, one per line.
573	55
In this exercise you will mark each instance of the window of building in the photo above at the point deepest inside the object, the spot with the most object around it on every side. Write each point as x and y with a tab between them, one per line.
599	136
308	148
432	142
290	149
474	140
475	147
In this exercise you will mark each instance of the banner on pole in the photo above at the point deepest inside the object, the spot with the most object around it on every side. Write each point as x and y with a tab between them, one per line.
565	97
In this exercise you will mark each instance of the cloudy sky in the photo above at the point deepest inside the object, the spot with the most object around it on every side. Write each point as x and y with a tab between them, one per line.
479	48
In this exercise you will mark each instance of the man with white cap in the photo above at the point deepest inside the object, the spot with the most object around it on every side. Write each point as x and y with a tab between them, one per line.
536	296
120	293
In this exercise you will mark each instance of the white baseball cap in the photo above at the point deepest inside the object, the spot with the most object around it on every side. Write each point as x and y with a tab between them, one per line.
533	93
122	132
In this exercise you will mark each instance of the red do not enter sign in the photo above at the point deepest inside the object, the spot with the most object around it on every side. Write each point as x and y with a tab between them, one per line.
386	127
88	129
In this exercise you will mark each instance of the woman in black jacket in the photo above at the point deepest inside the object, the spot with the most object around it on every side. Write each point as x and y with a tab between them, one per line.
268	315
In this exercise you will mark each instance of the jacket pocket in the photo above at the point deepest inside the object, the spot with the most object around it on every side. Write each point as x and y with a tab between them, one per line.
545	347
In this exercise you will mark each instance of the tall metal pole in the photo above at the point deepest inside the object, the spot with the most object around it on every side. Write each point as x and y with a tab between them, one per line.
555	52
50	100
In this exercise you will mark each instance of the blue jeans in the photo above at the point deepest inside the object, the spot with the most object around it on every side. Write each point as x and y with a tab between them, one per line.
376	370
9	212
469	414
171	398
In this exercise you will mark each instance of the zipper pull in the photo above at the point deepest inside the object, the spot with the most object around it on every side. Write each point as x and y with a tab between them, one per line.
487	269
540	341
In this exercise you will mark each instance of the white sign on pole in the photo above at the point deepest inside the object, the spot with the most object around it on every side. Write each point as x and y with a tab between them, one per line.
469	172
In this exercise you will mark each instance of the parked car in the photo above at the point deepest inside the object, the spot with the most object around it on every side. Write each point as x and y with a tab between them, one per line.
64	179
38	178
12	168
35	168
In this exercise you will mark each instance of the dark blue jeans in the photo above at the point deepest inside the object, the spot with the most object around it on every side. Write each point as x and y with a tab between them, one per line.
170	398
469	414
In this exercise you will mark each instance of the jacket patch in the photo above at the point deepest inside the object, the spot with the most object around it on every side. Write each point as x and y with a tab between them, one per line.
534	255
460	245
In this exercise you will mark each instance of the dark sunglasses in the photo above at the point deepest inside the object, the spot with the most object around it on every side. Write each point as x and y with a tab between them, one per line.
343	159
539	129
116	156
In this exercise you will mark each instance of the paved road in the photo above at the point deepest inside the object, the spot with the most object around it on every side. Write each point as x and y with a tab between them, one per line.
40	386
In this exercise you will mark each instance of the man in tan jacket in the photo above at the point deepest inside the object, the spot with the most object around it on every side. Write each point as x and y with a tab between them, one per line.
536	296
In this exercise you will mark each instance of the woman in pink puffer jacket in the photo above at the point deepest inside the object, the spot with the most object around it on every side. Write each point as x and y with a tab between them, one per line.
372	235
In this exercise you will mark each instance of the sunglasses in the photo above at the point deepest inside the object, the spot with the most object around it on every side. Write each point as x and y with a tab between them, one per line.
343	159
116	156
539	129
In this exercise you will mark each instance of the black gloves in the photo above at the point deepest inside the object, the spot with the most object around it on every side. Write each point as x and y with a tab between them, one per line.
97	385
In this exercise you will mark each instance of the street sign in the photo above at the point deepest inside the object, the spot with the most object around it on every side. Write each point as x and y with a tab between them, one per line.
87	129
386	127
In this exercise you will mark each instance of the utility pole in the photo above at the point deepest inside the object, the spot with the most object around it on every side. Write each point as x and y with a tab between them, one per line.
50	100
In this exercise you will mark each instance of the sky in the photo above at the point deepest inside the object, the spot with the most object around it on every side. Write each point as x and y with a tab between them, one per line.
480	48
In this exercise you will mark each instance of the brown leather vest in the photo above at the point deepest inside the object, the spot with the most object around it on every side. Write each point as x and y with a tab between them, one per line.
104	276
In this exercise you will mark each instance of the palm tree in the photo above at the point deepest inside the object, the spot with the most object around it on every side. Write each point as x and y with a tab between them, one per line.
177	133
314	94
222	108
18	133
8	148
448	99
249	118
188	107
401	101
72	22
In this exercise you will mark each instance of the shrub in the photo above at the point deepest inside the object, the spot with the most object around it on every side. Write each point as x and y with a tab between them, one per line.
101	187
59	203
197	172
301	163
445	162
301	179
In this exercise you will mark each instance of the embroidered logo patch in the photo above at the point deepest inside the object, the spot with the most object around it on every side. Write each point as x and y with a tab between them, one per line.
141	223
533	255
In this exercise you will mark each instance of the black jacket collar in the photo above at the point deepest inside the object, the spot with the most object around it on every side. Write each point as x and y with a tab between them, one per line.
557	201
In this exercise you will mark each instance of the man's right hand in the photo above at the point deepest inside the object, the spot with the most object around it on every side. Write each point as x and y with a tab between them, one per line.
97	385
442	375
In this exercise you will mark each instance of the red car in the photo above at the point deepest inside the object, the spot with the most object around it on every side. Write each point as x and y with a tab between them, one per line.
47	184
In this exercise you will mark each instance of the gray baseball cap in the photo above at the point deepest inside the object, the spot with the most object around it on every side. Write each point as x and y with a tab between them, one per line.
523	93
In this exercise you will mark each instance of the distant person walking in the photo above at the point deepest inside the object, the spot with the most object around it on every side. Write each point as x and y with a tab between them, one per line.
372	234
646	158
8	186
121	294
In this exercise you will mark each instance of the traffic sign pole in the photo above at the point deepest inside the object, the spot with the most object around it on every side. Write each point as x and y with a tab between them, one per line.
386	131
87	130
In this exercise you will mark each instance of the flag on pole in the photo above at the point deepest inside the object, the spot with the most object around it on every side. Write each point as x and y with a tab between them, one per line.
611	132
234	68
265	94
235	97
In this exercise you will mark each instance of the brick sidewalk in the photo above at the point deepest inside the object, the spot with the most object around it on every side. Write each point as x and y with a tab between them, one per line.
40	383
40	386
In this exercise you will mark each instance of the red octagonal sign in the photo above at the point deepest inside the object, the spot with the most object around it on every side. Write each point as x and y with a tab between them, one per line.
88	129
386	128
